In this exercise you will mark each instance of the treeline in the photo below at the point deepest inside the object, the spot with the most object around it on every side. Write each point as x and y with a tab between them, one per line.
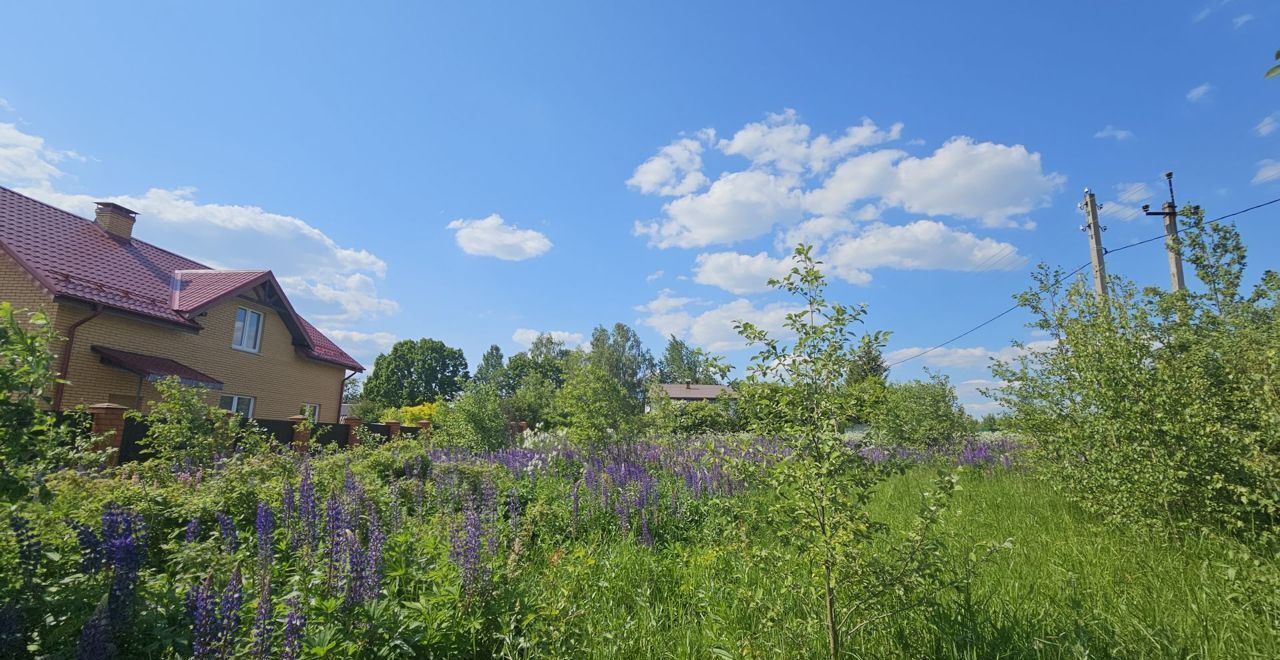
593	392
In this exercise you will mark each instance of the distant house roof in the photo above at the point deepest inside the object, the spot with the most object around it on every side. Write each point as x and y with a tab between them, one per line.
682	391
76	259
155	368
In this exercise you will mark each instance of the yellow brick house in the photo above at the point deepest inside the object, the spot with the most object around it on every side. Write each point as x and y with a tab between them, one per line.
131	313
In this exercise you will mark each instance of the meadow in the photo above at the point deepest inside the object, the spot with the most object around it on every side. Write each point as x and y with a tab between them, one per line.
649	549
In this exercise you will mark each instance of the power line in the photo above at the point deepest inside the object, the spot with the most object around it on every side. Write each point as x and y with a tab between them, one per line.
980	325
1184	228
1059	280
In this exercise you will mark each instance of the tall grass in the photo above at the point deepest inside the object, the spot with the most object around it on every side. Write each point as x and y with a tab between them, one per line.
1068	588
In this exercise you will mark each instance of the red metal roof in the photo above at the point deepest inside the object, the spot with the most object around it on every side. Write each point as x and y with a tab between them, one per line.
194	289
154	368
75	258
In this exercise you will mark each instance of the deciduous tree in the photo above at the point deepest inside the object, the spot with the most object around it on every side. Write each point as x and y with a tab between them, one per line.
416	371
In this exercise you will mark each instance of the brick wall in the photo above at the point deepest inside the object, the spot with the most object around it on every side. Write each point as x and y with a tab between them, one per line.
277	377
22	290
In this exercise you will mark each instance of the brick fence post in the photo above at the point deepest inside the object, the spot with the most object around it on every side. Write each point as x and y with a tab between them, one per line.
108	420
394	427
352	424
301	434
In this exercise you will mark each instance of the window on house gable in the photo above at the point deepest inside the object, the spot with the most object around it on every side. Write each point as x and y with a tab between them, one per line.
238	403
248	332
311	411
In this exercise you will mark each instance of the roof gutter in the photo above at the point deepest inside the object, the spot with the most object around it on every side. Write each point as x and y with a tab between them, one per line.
61	387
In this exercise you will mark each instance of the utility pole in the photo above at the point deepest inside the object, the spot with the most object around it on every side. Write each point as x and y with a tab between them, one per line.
1096	251
1171	242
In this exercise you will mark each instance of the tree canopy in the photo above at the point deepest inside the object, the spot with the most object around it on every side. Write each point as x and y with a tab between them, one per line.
416	371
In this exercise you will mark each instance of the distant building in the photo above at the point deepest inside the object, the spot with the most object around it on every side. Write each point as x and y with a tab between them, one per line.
132	313
688	393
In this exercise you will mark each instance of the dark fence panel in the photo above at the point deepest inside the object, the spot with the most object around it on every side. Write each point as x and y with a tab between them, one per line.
381	429
282	429
130	449
330	434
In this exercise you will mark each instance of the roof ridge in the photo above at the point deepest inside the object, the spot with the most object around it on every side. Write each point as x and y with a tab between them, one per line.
222	270
84	219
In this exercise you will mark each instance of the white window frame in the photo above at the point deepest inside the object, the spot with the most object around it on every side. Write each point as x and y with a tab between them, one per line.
311	411
235	403
238	334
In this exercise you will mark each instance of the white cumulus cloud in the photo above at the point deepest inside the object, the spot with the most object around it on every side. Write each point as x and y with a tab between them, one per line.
739	205
493	237
783	142
308	263
675	170
25	160
793	176
920	245
739	273
526	336
713	329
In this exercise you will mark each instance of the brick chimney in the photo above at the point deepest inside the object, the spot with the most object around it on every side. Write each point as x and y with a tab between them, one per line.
115	219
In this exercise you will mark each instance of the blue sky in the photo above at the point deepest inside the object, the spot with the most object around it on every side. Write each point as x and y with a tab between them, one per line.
478	172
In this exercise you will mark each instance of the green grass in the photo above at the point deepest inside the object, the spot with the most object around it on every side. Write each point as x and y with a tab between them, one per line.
1067	588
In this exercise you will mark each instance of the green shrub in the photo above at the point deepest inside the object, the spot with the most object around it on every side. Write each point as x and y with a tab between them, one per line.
668	418
1155	408
474	420
183	428
921	414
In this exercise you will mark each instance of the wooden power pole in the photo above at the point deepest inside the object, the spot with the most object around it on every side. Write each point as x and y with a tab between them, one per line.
1096	251
1171	242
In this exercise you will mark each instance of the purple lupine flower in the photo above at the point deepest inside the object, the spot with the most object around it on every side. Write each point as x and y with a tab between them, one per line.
265	527
204	620
263	622
124	546
95	637
373	557
294	624
308	514
193	530
397	512
466	547
29	548
288	513
355	570
338	550
229	613
228	529
92	553
352	489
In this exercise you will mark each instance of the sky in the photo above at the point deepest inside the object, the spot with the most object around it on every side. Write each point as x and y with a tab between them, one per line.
480	172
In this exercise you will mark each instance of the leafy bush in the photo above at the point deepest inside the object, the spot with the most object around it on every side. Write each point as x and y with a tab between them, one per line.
918	414
667	418
474	420
32	442
1157	408
594	406
182	428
